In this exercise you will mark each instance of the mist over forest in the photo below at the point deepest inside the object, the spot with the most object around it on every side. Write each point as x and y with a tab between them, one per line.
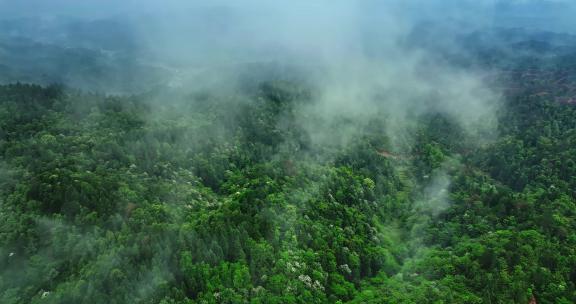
393	151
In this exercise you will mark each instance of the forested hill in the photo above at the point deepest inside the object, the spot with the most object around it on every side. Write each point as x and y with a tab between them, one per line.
223	198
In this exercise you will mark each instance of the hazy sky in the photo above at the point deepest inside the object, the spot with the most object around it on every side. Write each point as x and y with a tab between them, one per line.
98	8
188	28
548	14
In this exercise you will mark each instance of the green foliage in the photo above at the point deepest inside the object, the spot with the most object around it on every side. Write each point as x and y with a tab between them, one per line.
212	199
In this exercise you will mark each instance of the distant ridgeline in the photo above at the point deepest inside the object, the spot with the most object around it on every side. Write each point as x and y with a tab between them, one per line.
522	62
29	61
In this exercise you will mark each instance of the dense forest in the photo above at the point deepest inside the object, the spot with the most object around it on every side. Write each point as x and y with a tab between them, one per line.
227	198
279	152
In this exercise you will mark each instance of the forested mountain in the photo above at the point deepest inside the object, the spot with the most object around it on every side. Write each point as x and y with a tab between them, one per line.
226	198
272	153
